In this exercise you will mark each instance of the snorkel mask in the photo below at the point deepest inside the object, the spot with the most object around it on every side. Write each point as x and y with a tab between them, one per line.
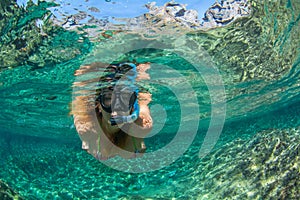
121	95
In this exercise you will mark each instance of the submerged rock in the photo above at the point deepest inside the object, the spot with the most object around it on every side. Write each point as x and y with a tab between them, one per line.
29	37
7	193
263	45
265	167
247	39
19	35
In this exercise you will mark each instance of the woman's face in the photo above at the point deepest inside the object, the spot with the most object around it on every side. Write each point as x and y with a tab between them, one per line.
117	102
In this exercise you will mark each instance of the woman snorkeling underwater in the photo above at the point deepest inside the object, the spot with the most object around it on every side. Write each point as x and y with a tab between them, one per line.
122	112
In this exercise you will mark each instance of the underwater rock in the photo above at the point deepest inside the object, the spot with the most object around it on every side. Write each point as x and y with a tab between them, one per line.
7	193
263	45
29	37
265	167
19	35
247	39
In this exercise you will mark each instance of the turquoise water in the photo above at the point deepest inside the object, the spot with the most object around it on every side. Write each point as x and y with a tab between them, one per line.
256	155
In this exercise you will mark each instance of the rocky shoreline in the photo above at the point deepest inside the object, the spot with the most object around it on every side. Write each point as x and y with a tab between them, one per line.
176	15
225	12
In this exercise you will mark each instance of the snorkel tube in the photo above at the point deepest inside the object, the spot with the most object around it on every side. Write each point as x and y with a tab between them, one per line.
126	119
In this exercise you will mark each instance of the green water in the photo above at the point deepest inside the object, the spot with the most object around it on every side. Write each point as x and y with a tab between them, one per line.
255	157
